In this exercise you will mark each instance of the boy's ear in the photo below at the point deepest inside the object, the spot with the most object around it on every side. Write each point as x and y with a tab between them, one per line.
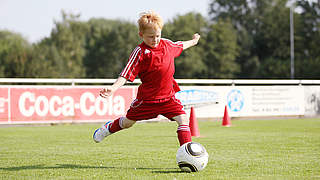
140	34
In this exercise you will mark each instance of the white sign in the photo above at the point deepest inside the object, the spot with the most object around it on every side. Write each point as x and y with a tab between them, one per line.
246	101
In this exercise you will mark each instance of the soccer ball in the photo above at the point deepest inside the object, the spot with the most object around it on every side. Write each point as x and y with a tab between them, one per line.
192	157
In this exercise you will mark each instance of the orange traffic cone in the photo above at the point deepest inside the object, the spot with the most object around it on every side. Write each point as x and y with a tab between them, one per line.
193	124
226	119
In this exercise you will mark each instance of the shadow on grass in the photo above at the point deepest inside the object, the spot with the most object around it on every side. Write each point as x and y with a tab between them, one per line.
75	166
58	166
168	172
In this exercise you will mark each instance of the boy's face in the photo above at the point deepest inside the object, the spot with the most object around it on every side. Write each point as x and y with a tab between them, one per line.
151	36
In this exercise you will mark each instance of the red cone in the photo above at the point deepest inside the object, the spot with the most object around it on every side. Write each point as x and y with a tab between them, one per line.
193	124
226	119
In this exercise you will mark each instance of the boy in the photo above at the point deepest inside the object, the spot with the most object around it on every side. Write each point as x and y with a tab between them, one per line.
153	62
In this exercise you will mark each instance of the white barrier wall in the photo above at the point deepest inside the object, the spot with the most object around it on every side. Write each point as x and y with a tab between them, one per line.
29	104
246	101
312	100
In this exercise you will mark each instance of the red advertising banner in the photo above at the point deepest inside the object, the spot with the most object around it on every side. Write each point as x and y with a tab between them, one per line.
4	104
49	103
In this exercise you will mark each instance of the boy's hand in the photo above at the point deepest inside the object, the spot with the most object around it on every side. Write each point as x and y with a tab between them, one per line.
192	42
196	38
106	92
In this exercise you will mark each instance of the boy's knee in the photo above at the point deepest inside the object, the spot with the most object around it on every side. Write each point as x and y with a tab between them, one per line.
127	123
182	119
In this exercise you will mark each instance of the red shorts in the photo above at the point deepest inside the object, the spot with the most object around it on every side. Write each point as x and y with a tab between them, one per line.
143	110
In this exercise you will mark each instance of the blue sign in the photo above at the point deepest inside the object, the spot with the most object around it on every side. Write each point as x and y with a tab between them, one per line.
235	100
195	96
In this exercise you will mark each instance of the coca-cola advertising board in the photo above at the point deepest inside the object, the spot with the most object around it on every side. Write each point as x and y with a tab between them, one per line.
4	104
61	103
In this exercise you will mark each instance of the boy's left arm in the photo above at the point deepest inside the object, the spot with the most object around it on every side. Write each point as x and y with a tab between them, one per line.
192	42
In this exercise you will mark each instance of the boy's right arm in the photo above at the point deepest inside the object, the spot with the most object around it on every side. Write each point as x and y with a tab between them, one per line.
128	73
192	42
107	92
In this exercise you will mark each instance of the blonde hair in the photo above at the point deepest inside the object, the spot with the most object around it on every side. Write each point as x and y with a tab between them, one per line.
149	19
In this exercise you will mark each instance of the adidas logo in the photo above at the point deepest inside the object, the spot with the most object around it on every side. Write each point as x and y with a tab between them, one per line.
146	51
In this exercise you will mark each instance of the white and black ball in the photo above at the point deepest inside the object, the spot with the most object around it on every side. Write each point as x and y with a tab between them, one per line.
192	157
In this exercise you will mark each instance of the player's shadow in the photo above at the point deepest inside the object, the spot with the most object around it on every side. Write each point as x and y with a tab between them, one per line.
58	166
160	170
76	166
167	171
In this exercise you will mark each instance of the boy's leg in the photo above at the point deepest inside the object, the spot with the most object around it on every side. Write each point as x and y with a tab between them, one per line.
183	131
112	127
120	123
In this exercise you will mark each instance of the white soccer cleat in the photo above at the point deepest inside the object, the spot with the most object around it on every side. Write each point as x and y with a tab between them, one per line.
102	132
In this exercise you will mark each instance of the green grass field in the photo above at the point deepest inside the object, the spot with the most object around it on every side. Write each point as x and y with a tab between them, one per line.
250	149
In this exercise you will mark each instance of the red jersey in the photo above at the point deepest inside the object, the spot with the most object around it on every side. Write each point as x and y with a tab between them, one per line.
155	68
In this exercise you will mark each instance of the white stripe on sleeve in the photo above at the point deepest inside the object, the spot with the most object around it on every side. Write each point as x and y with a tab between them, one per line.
132	58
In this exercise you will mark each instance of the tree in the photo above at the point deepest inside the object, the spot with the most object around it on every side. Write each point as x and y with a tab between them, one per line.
109	44
14	51
272	41
263	31
307	38
245	16
190	64
221	50
68	37
45	61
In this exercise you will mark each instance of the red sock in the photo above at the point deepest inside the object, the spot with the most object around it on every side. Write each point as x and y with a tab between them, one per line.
115	126
184	134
